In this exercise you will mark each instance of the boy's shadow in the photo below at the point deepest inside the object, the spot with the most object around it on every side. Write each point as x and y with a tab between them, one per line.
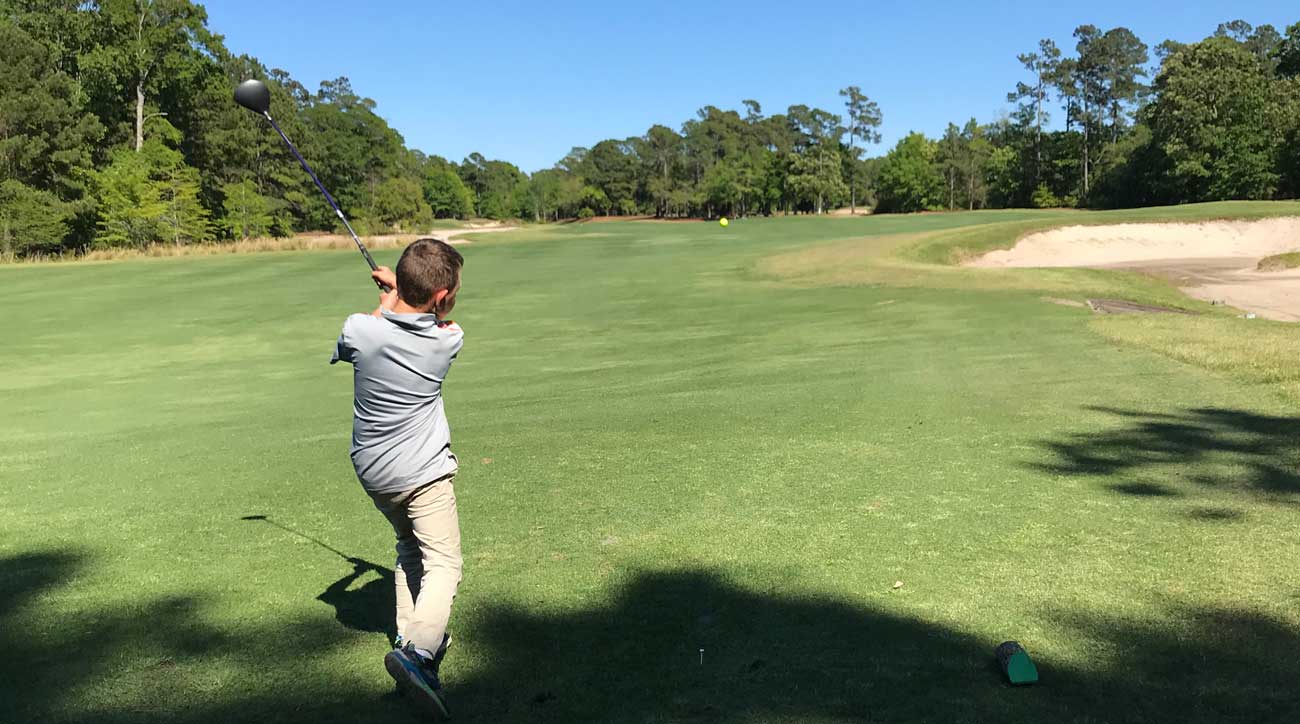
368	608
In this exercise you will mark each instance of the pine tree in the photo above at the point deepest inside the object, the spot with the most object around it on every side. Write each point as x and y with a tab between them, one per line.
247	213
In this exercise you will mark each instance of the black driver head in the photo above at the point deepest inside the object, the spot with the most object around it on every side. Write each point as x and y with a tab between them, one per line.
253	95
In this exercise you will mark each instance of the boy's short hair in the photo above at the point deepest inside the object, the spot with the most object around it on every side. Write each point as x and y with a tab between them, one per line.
426	266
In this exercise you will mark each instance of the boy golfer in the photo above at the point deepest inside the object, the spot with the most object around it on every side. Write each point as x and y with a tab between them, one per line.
401	449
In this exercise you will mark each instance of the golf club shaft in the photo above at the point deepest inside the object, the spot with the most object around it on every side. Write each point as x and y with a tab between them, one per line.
300	534
334	204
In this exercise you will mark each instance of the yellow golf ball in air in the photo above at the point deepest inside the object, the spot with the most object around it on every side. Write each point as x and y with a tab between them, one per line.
723	221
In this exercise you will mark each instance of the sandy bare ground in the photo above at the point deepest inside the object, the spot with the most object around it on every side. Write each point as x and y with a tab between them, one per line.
1214	261
1232	280
454	236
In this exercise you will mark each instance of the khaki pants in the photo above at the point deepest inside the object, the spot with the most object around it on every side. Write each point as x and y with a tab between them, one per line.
428	559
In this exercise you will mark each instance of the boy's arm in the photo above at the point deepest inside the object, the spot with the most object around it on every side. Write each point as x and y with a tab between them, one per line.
388	279
344	350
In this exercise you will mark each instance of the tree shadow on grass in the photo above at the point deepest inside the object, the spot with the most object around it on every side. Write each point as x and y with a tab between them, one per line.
1190	665
1232	451
780	656
769	655
161	659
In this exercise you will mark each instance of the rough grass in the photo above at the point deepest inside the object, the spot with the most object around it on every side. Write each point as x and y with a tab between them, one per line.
664	448
1254	350
1279	262
298	242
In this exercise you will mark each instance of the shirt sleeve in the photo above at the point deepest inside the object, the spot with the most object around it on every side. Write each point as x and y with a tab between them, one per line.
345	348
457	338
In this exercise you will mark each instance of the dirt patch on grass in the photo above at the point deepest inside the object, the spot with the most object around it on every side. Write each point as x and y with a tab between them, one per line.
1123	306
1064	302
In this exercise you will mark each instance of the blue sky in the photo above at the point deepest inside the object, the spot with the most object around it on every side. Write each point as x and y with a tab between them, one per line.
526	81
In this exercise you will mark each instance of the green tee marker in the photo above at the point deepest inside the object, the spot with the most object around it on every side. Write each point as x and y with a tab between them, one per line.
1016	664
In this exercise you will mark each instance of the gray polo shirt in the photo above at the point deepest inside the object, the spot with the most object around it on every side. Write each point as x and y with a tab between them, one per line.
400	437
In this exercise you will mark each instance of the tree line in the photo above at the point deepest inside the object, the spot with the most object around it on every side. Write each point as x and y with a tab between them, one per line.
117	129
1212	120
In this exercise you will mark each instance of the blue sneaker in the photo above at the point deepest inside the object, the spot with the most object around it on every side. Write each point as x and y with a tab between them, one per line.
400	643
416	676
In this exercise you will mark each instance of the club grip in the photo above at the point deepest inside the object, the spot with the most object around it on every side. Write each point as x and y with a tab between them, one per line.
369	260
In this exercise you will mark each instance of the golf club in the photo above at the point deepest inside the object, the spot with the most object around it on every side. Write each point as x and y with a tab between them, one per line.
256	97
286	528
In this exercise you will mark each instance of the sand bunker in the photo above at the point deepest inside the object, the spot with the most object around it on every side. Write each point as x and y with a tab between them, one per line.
1121	243
454	236
1213	260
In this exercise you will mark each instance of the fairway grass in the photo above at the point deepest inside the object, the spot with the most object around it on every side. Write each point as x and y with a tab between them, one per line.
694	463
